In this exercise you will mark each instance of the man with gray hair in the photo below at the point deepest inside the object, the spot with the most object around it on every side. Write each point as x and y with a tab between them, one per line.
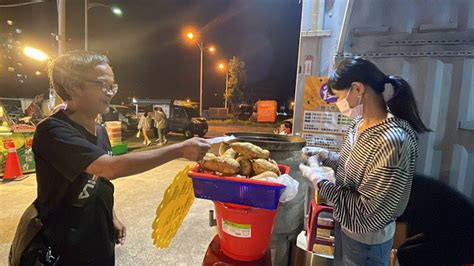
74	164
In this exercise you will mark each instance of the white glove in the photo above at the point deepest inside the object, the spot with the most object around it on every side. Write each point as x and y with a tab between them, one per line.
320	153
316	174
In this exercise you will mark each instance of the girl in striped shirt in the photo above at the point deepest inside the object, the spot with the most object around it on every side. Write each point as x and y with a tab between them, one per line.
375	166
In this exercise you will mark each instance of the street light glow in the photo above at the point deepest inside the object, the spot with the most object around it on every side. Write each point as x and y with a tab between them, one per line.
212	49
190	35
37	73
35	54
117	11
221	66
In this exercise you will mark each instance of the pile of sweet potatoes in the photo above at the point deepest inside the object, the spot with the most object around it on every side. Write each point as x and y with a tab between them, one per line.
242	159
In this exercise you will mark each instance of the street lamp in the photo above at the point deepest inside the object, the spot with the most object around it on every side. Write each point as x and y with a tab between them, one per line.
35	53
201	47
221	67
117	11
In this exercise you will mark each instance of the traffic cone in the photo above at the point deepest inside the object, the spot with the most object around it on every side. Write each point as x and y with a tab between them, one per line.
12	165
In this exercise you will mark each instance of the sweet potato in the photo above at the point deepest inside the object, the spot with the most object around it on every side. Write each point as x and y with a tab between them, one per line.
260	165
245	166
250	150
209	156
264	175
229	153
273	162
226	166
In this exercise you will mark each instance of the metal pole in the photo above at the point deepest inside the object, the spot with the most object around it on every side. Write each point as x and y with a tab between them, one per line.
61	38
225	95
200	82
86	26
61	27
343	33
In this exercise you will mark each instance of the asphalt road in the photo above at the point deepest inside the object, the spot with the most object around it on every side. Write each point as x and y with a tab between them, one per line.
135	143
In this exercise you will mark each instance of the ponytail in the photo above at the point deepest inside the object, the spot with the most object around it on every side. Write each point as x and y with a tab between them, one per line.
403	103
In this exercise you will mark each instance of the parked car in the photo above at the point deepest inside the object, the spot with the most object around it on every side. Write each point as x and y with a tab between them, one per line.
245	111
284	115
15	106
182	117
124	114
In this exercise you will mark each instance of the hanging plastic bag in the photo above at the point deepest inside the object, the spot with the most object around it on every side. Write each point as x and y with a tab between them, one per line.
291	187
138	134
291	184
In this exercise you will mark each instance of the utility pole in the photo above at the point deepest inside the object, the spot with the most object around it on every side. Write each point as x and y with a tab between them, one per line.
86	26
201	47
226	84
61	37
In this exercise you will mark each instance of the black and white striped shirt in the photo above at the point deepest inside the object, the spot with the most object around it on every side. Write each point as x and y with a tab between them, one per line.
373	175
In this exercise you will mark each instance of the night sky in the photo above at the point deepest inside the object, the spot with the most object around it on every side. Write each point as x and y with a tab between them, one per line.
149	53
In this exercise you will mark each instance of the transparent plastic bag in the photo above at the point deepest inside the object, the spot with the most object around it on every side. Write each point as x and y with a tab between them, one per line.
291	184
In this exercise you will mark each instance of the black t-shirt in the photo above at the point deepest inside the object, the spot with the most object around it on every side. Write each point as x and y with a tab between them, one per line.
75	206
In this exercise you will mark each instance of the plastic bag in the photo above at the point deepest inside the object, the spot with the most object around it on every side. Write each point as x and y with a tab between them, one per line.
220	139
291	187
291	184
138	133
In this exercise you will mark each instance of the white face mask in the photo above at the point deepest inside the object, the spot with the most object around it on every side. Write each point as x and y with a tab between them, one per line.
345	109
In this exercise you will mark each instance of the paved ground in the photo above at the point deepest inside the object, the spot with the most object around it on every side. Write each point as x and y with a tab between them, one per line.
136	200
214	131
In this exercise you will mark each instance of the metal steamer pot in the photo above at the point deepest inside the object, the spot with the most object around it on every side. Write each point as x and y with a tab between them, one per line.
290	217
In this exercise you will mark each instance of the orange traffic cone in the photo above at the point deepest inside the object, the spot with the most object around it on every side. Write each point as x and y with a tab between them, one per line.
12	165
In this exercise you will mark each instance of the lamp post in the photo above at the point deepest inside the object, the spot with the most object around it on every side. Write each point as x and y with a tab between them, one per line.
222	67
117	11
201	47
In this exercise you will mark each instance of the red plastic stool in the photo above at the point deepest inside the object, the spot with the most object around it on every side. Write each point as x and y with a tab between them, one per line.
312	226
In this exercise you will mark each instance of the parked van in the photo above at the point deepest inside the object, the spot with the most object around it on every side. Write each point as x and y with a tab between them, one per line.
124	114
182	117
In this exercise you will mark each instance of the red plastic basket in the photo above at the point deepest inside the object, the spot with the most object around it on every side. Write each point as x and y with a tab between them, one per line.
242	191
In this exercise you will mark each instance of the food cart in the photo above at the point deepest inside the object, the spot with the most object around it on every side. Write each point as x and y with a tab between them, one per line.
22	137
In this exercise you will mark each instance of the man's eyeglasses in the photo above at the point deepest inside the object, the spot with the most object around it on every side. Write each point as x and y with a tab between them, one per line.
105	87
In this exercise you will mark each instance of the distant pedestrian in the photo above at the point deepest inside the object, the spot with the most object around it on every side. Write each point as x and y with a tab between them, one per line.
99	119
34	109
160	124
144	126
284	128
